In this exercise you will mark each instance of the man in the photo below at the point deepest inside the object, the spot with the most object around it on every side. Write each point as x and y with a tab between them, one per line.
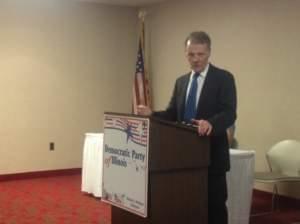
205	97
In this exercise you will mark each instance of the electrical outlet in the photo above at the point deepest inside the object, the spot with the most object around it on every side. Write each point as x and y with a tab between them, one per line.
51	146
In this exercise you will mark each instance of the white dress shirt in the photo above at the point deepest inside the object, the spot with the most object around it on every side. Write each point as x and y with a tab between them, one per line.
200	81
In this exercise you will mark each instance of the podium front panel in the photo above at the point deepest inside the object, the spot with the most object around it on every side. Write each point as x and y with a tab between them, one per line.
125	163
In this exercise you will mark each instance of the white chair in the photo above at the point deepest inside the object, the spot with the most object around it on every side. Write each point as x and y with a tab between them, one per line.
284	161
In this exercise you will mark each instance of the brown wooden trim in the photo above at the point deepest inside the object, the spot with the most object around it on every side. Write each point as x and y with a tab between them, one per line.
38	174
262	194
284	201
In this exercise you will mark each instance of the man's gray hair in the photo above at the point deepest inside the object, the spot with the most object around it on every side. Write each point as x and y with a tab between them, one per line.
198	37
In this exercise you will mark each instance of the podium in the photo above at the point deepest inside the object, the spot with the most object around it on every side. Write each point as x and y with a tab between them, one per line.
178	162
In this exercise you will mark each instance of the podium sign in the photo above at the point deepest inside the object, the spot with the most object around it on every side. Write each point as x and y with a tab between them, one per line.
125	163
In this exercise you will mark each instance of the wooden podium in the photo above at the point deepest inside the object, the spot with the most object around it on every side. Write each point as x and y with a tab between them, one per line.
177	190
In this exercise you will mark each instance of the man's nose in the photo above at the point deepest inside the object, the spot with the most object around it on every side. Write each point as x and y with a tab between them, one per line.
195	59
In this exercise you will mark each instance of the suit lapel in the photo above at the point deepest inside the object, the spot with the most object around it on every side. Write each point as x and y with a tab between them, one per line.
205	90
182	95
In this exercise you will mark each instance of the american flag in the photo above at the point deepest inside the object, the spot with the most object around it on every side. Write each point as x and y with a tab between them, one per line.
141	92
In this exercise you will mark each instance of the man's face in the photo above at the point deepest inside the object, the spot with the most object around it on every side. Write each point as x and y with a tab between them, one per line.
197	55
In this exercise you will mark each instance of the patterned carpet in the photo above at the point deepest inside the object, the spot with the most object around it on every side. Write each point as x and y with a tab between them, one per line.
58	200
53	200
287	210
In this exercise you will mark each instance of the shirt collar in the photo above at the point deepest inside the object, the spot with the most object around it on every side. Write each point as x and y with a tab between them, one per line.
203	73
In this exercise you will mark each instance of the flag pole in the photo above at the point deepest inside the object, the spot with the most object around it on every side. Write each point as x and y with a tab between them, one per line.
141	91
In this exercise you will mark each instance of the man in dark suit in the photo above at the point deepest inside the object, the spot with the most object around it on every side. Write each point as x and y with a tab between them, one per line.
206	98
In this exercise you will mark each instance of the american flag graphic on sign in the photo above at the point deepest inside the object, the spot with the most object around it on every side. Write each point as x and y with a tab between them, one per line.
141	92
136	130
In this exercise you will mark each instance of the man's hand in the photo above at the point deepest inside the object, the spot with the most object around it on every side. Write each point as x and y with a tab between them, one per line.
204	128
144	110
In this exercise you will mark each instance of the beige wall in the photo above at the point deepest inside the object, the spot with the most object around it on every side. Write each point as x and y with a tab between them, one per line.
256	40
62	64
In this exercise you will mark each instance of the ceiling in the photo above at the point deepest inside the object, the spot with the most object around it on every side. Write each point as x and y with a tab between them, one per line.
127	2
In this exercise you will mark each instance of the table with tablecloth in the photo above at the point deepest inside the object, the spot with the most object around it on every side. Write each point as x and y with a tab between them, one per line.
92	164
240	185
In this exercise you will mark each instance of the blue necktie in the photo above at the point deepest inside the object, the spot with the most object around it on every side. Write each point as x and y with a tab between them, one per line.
190	107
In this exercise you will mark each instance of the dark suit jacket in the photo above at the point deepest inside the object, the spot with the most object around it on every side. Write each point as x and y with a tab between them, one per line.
217	104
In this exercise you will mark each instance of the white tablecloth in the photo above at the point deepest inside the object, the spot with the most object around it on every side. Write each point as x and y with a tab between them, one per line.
240	185
92	164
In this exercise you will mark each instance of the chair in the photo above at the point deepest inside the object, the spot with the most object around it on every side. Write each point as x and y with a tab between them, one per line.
284	163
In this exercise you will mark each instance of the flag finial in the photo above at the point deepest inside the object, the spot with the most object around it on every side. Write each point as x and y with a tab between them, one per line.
142	14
